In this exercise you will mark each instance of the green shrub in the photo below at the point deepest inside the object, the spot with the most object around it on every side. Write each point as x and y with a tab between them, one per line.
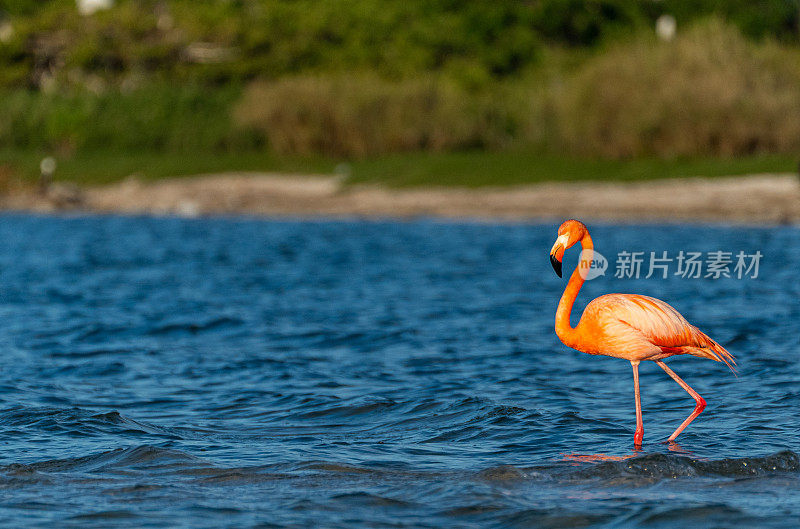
585	23
482	42
778	19
709	92
360	115
270	39
155	117
445	75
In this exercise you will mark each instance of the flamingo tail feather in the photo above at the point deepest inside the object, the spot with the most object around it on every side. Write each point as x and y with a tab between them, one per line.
706	347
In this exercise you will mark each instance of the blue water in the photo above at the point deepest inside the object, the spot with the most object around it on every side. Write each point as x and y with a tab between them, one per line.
249	373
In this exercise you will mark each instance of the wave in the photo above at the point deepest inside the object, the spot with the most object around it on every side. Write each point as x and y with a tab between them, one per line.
193	327
648	468
78	421
136	457
670	466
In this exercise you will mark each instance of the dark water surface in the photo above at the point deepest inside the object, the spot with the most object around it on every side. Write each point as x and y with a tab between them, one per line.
243	373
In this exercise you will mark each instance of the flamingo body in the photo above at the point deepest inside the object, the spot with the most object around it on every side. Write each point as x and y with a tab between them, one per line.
628	326
636	328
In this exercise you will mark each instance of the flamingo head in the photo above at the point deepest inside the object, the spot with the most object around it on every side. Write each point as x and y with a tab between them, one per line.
569	233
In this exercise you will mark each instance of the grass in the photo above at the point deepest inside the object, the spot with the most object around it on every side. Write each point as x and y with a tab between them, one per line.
94	168
476	169
465	169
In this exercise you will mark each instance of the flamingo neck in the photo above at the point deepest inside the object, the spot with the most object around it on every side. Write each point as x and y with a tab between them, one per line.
564	330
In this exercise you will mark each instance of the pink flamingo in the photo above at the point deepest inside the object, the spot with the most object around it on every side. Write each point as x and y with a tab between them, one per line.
628	326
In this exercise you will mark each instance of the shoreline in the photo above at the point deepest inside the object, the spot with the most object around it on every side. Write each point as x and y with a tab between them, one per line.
754	199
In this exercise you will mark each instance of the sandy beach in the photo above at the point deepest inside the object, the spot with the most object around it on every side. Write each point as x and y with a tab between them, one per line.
767	198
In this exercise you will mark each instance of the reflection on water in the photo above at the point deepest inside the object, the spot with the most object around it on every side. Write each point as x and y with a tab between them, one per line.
354	374
595	458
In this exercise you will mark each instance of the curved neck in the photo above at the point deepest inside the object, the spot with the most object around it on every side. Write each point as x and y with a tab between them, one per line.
563	328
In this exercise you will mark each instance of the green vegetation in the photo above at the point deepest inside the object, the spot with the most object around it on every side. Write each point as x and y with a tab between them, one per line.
710	92
476	169
157	117
443	92
465	169
218	41
363	115
103	167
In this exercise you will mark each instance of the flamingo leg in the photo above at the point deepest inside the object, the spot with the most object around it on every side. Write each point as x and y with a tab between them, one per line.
639	434
700	401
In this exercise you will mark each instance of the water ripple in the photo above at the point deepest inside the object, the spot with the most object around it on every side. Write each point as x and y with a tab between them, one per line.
238	372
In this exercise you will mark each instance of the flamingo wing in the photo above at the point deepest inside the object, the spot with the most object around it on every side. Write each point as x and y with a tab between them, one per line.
649	328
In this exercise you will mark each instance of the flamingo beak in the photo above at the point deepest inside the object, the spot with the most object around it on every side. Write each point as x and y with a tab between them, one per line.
557	253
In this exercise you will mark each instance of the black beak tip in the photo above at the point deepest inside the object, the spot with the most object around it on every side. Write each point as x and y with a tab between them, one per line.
556	264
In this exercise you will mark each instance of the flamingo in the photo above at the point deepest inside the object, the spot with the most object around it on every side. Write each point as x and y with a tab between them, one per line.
629	326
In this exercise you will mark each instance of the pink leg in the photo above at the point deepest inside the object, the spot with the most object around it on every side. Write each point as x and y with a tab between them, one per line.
639	434
698	408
